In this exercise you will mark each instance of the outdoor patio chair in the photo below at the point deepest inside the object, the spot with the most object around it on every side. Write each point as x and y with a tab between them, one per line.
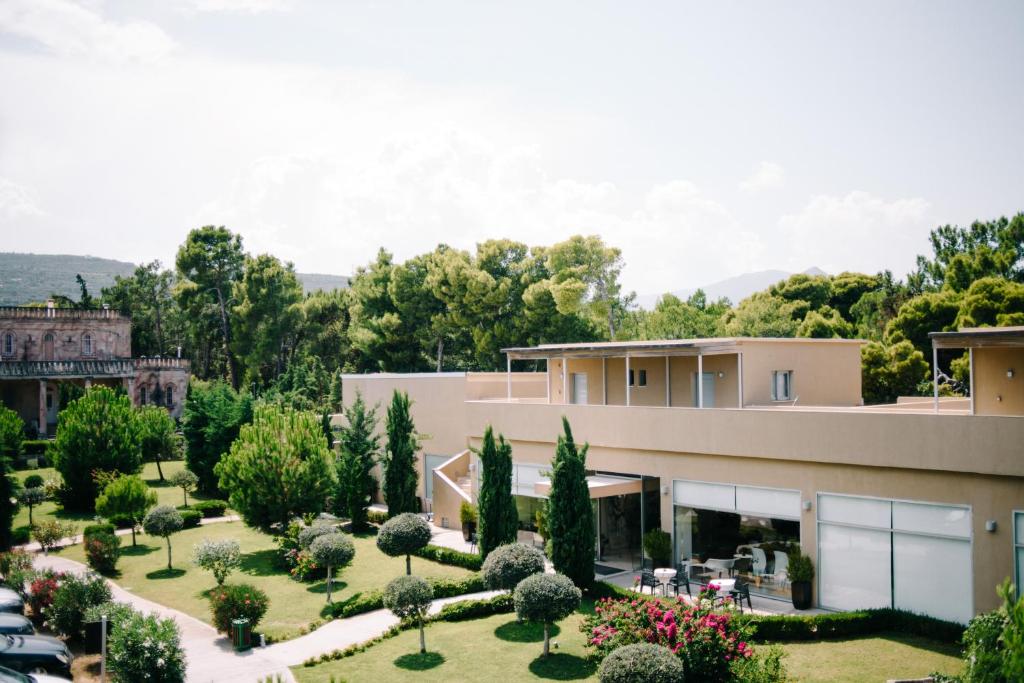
781	567
760	563
647	578
741	592
680	580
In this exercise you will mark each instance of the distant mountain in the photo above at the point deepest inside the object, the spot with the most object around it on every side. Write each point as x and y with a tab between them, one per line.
733	288
25	278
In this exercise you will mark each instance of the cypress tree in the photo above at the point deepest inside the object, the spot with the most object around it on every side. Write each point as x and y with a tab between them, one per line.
498	516
570	515
359	447
400	457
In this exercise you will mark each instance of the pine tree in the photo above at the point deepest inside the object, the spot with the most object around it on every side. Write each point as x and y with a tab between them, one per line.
570	515
498	517
400	457
360	447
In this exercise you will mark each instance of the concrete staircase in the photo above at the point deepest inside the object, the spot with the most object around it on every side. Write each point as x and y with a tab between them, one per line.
466	484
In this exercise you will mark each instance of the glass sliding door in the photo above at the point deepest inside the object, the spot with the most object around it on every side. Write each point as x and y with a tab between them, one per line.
1018	550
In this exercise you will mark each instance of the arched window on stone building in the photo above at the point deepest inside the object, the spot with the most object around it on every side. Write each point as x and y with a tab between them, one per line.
8	344
169	395
143	395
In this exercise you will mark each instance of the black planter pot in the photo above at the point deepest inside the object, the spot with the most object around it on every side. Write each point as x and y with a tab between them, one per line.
94	636
801	591
467	530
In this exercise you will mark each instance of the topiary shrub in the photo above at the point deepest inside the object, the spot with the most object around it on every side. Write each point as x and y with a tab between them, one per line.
98	529
146	648
332	551
190	519
546	598
218	557
33	481
126	499
310	533
409	597
240	601
102	550
186	480
403	534
210	508
509	564
642	663
658	546
75	593
30	497
163	520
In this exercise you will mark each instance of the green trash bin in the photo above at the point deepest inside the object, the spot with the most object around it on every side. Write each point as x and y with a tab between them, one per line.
241	634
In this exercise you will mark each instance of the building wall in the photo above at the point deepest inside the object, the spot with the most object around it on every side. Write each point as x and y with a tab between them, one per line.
155	375
111	334
494	385
825	372
994	392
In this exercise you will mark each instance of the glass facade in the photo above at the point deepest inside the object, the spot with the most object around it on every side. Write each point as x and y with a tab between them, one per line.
1018	550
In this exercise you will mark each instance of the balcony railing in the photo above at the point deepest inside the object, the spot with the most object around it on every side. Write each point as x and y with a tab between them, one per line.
121	367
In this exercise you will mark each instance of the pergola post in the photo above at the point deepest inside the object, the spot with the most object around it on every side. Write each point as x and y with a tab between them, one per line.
565	380
604	380
508	377
739	378
547	375
42	407
935	376
627	380
970	358
700	378
668	385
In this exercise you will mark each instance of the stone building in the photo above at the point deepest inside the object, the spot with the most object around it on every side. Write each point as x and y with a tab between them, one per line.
44	348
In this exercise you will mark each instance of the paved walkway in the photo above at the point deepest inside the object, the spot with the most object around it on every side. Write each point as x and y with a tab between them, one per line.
73	540
211	658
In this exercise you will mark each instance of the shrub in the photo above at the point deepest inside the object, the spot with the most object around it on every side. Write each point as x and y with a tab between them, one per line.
12	433
658	546
464	610
374	600
126	499
219	557
40	592
35	447
310	533
332	551
98	529
159	440
409	597
641	663
146	648
190	519
570	514
117	614
467	513
507	565
75	593
50	533
21	535
403	534
163	520
186	480
213	415
33	481
210	508
239	601
30	498
278	467
16	567
455	558
546	598
801	568
102	551
359	448
98	431
376	516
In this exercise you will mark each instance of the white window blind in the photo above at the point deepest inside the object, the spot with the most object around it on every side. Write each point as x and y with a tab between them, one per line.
697	494
768	502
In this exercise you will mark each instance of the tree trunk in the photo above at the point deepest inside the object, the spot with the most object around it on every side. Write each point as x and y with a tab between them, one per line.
440	352
168	539
226	331
328	584
423	638
30	524
158	470
184	492
546	641
133	533
408	565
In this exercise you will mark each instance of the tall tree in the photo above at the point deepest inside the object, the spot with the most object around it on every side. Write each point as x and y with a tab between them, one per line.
214	414
764	315
570	515
962	255
497	507
359	449
209	263
12	431
400	457
267	315
673	318
145	296
160	441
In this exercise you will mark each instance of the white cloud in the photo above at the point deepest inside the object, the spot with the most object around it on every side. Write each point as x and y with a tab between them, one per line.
237	6
767	176
16	202
72	29
857	231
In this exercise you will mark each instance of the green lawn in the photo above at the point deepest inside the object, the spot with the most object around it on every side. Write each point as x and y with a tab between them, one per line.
166	494
293	605
498	648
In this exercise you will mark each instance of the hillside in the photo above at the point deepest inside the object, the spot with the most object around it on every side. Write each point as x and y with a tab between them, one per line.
735	289
26	278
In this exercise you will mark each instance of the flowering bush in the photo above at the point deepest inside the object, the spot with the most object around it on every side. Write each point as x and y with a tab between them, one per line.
16	567
709	643
146	649
75	593
102	551
50	533
240	601
219	557
40	592
294	558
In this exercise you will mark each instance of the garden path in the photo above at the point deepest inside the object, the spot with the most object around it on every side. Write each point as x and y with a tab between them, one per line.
34	547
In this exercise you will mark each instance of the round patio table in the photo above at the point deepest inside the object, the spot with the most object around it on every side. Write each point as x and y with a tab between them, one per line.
664	575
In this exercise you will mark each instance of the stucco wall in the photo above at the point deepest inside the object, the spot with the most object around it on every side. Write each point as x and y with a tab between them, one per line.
994	392
495	385
825	373
111	336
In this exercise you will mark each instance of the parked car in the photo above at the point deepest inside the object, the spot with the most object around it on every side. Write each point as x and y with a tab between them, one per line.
35	655
12	676
16	624
11	601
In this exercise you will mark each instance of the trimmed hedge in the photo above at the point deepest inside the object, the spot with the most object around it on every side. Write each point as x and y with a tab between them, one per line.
97	530
190	518
21	535
828	626
376	516
374	600
455	558
34	447
210	508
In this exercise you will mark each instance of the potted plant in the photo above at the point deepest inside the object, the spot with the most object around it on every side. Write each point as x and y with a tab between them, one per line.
801	575
467	515
658	546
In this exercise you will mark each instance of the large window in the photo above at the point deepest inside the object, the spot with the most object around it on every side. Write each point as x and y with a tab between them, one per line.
748	532
885	553
87	344
8	346
782	385
430	463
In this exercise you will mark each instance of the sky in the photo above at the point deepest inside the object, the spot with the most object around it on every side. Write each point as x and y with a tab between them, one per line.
704	140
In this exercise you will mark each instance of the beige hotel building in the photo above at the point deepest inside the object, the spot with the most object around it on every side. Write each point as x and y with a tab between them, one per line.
747	450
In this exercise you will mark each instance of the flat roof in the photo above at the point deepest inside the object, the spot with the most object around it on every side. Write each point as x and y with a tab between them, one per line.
660	346
1010	337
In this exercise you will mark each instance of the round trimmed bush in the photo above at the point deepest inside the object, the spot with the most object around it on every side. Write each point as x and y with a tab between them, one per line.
310	533
240	601
219	557
190	518
163	520
403	534
546	598
332	551
409	597
33	481
642	663
509	564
